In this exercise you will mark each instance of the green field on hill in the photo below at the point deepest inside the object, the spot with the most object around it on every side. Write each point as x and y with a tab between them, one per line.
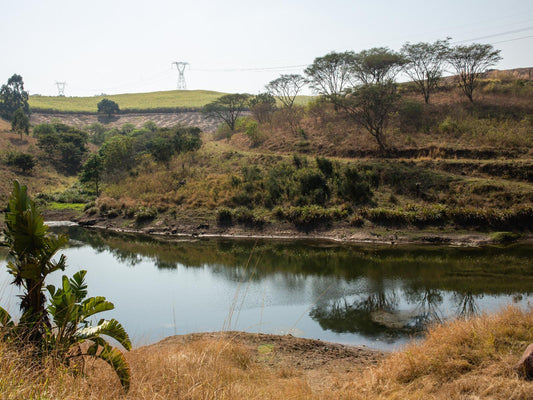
139	101
166	99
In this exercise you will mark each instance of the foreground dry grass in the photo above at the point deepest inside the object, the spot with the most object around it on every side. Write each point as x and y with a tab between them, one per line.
461	360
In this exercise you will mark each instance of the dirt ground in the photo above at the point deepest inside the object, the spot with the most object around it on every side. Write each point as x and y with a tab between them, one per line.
161	119
315	359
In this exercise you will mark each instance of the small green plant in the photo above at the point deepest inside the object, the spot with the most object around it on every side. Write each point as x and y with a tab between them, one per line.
70	311
143	214
504	237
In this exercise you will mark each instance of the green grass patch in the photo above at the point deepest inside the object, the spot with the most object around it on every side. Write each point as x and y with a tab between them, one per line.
65	206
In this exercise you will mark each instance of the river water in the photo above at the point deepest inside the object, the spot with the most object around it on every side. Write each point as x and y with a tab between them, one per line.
378	296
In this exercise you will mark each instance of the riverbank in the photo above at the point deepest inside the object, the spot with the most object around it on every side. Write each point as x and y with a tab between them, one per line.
337	232
462	359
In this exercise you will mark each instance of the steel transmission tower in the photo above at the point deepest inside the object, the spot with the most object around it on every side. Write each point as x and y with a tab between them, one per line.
180	66
61	88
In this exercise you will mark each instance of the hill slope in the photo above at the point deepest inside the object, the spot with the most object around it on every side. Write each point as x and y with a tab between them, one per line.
166	99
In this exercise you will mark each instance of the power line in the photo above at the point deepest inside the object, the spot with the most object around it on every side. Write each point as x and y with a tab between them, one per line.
512	40
495	34
255	69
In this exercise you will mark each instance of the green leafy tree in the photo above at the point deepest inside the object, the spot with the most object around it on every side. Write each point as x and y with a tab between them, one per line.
263	106
161	149
227	108
64	145
92	172
108	107
425	64
20	122
118	156
377	65
370	105
12	97
470	62
332	74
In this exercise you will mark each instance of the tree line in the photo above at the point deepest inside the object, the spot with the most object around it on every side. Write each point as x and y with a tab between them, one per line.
363	85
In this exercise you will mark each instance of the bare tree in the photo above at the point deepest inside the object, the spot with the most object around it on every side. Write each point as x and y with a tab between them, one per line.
370	105
331	74
286	88
425	63
470	62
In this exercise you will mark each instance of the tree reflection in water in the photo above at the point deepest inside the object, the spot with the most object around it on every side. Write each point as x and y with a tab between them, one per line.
378	292
466	304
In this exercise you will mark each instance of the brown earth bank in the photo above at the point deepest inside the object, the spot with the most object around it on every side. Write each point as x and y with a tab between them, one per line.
337	231
163	120
314	356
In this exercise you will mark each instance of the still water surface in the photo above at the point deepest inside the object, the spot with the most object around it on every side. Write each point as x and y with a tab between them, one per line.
378	296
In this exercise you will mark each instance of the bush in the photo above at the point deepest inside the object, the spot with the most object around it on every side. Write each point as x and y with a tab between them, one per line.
325	166
313	186
310	216
25	162
224	217
353	188
411	115
505	237
450	127
248	217
143	214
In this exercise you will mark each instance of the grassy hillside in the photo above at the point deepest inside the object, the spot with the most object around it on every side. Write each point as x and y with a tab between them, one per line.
166	99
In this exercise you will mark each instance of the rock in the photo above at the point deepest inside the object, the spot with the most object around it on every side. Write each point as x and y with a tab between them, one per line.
87	222
524	367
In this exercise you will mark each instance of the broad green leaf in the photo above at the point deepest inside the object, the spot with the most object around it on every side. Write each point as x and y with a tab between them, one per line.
116	359
79	287
5	318
96	305
111	328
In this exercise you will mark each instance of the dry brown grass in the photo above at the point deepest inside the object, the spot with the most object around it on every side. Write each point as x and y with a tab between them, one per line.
460	360
210	369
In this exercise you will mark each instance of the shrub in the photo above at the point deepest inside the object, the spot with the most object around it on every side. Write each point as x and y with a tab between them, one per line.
143	214
224	216
504	237
314	186
308	217
353	188
411	115
25	162
449	126
248	217
325	166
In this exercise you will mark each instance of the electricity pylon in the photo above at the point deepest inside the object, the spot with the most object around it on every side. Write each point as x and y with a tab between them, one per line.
61	88
180	66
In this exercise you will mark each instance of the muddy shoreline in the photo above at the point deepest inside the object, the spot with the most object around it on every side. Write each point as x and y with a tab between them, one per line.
338	232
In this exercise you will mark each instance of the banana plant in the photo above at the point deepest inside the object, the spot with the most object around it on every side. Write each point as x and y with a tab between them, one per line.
30	260
71	311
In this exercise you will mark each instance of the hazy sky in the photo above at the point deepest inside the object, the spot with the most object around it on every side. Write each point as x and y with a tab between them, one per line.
116	46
